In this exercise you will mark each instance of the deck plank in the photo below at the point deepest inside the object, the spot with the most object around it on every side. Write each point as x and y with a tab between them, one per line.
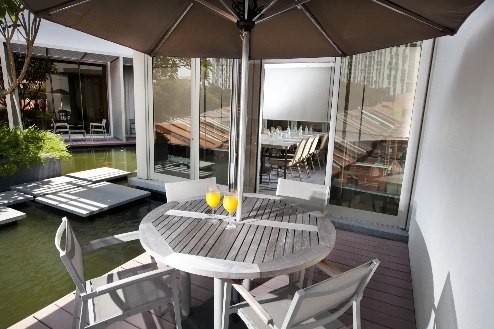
387	301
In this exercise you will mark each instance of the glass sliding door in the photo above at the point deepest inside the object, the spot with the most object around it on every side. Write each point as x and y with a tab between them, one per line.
214	118
172	117
373	122
93	87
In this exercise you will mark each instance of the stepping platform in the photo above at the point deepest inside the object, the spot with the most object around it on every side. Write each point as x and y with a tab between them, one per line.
8	215
48	186
13	197
92	199
99	174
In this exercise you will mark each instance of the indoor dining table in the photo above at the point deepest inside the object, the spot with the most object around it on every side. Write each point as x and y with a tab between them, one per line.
275	237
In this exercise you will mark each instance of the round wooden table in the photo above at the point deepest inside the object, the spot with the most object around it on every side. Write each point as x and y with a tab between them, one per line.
275	237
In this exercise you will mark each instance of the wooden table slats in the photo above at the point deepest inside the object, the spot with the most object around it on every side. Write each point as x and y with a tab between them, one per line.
254	241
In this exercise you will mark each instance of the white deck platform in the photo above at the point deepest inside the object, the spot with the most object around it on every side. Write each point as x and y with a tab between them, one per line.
99	174
92	199
51	185
13	197
8	215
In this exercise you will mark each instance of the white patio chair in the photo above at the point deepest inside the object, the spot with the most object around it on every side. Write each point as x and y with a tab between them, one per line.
119	294
61	128
189	189
317	306
181	191
311	195
98	128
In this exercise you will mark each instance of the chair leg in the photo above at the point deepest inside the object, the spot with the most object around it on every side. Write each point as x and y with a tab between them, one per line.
176	304
318	161
299	172
306	168
356	315
77	309
269	174
82	318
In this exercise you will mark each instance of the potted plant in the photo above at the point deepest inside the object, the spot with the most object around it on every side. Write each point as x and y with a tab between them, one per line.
160	147
29	155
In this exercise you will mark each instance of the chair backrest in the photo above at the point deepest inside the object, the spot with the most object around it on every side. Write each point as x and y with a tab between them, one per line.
103	122
189	189
314	144
308	146
72	256
309	194
338	292
299	152
324	142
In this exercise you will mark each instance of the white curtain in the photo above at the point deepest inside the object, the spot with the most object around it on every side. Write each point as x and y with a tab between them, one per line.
128	74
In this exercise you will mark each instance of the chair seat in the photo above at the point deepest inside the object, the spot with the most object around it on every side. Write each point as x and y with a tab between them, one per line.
277	304
280	162
120	301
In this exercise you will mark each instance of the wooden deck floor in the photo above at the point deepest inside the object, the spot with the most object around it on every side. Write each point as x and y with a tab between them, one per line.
387	302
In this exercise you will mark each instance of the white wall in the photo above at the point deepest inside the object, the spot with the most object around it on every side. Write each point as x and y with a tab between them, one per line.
452	225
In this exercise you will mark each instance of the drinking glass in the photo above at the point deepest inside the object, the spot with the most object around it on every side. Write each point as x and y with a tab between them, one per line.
213	198
230	203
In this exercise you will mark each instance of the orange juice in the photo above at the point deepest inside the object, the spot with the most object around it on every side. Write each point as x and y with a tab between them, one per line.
213	198
230	202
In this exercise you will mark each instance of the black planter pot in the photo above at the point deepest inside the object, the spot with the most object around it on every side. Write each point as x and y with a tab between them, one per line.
51	168
161	152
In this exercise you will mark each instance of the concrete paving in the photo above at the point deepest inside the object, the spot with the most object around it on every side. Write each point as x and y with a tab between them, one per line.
99	174
8	215
51	185
13	197
92	199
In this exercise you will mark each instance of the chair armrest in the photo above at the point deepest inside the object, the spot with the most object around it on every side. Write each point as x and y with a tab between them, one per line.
111	240
128	281
328	268
261	312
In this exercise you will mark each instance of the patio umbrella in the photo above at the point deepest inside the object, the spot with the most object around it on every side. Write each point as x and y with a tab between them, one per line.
268	29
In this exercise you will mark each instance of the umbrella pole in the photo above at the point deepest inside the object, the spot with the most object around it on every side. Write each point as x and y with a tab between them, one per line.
245	35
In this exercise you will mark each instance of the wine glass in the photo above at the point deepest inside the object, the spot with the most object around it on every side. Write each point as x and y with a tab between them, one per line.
213	198
230	203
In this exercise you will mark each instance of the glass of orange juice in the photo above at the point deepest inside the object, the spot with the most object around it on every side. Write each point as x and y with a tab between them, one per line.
230	203
213	198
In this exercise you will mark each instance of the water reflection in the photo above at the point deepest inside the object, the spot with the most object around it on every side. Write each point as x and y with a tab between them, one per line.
31	271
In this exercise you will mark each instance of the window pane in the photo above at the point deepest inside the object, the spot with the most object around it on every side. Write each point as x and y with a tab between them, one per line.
214	124
172	115
375	103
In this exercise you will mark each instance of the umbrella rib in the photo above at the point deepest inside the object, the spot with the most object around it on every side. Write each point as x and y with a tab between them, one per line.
58	8
281	12
265	9
320	28
217	10
403	11
166	35
228	8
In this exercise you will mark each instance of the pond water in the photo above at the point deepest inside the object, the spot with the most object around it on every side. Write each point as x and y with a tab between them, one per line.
31	272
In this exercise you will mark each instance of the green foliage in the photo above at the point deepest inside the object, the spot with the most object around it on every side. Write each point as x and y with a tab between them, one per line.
22	148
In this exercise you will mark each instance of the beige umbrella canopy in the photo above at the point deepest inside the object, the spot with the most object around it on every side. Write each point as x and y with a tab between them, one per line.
268	29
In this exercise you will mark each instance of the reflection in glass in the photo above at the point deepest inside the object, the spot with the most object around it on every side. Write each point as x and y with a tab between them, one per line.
172	115
375	103
214	118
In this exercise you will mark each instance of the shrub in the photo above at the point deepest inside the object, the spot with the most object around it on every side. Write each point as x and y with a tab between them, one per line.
22	148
